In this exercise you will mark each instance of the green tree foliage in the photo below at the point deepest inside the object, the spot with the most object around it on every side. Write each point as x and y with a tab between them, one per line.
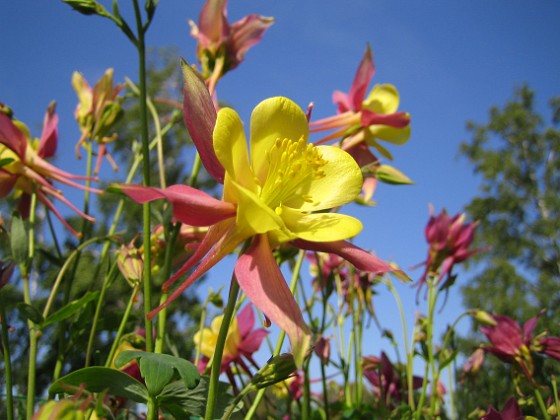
516	157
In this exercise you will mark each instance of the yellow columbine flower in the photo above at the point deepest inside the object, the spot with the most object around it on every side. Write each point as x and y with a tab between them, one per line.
275	191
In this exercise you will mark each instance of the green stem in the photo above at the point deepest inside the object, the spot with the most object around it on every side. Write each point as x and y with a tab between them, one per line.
555	393
106	282
7	364
33	338
219	351
171	238
147	281
122	325
430	365
409	352
542	405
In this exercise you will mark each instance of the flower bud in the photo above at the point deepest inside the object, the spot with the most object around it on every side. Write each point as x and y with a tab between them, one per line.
278	369
131	263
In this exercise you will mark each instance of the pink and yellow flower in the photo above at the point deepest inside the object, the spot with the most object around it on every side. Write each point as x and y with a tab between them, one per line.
241	343
98	109
221	46
24	168
362	119
273	195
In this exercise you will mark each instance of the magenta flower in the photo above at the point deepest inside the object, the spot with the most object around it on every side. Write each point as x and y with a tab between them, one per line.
449	239
387	381
267	199
221	46
362	119
511	411
25	169
513	344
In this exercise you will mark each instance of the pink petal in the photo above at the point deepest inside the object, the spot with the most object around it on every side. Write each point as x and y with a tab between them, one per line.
397	119
360	258
245	320
363	76
220	240
190	206
252	342
49	136
260	278
245	33
212	22
11	136
7	182
200	119
342	101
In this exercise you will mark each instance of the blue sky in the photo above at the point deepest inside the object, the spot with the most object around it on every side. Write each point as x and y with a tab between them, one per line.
450	62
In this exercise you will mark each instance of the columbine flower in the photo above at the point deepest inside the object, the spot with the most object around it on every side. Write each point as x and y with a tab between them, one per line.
386	379
272	196
24	168
511	411
364	119
513	344
241	342
221	46
97	111
449	239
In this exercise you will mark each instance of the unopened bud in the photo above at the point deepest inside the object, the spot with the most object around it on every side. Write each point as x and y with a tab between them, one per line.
277	369
87	7
484	317
131	263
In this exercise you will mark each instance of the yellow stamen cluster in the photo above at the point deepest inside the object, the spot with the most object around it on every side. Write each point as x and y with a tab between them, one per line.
293	165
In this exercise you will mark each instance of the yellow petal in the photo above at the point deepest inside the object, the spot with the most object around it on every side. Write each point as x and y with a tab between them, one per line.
340	185
254	216
390	134
230	146
321	227
274	118
383	99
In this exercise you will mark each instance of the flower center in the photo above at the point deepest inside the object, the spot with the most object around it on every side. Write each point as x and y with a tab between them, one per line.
293	165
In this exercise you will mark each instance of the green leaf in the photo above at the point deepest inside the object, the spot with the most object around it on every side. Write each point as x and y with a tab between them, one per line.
5	161
158	369
176	398
71	308
98	379
19	242
30	312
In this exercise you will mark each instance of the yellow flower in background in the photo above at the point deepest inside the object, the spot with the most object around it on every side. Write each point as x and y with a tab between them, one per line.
206	339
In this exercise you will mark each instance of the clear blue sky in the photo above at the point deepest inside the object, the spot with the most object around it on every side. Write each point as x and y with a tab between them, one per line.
450	62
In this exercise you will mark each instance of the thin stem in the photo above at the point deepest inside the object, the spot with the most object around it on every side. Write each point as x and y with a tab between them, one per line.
7	364
31	373
141	47
219	351
409	353
104	288
122	325
171	238
542	405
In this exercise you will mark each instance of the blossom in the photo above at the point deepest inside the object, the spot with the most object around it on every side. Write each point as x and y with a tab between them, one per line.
449	240
362	119
513	344
24	169
511	411
221	46
241	342
386	378
98	109
275	195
